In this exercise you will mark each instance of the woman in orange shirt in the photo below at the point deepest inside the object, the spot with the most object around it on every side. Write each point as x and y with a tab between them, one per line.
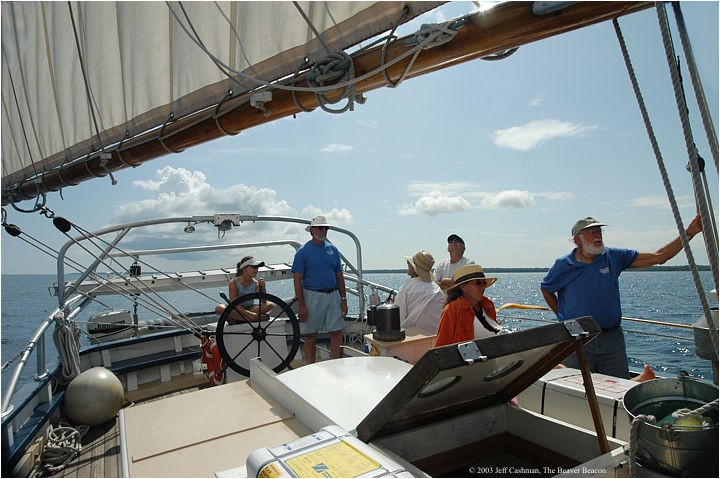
468	314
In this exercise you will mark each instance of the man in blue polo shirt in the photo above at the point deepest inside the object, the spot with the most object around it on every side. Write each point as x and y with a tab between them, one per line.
320	290
585	282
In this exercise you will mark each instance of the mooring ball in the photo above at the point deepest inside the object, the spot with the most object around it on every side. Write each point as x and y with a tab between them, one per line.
93	397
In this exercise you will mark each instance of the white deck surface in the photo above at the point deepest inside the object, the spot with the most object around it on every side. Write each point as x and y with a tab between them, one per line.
345	402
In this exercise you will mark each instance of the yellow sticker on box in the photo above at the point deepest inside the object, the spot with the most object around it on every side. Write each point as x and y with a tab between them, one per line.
337	460
271	470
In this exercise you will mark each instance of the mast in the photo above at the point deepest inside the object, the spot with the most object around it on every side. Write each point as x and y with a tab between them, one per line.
485	33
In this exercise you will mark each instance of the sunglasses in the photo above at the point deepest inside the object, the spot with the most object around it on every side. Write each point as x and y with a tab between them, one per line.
478	282
254	266
322	227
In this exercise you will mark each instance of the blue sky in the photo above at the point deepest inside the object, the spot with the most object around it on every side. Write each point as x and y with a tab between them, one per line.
507	154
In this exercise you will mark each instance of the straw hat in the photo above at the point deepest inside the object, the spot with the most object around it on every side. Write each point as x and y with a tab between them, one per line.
584	224
469	273
317	221
422	263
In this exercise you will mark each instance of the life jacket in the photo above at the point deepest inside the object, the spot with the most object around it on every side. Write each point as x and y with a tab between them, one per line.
212	359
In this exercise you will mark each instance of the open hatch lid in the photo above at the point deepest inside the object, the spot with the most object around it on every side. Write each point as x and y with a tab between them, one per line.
459	378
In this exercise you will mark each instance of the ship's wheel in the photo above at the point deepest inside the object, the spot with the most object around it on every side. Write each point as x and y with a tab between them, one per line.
275	339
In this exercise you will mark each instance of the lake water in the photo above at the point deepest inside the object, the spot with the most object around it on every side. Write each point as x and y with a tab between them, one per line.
668	297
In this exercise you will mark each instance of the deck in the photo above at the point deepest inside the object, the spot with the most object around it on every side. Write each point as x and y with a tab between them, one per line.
100	456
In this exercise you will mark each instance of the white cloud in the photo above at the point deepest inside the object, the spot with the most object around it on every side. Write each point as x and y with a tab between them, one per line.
556	195
439	198
535	133
651	200
421	188
659	201
509	200
335	147
435	203
537	101
369	124
179	192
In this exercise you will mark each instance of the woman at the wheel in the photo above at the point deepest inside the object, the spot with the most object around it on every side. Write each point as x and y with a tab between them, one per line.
245	283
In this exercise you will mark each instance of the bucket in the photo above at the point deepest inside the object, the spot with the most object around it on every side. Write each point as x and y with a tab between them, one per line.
671	449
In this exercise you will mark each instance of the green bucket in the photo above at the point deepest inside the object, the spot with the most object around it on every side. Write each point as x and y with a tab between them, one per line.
671	449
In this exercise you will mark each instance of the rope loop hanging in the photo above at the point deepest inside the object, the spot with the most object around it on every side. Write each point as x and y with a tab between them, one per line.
216	115
40	201
429	36
501	55
67	342
303	66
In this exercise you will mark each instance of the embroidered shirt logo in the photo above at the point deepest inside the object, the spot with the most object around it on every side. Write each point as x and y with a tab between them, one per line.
605	270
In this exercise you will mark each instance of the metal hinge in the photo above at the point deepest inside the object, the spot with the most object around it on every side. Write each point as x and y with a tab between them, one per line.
471	353
575	329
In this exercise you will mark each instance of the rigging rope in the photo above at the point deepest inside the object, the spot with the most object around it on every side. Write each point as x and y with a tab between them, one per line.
710	240
697	83
666	183
177	316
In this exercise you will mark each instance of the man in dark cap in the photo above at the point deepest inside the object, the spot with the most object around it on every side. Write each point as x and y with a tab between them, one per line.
445	269
585	282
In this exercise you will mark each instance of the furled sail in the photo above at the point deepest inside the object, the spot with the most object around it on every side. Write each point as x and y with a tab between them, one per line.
79	77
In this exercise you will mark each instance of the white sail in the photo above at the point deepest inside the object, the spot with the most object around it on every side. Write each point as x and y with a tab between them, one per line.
79	77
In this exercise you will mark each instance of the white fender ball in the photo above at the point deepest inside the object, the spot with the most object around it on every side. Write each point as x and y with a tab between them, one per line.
93	397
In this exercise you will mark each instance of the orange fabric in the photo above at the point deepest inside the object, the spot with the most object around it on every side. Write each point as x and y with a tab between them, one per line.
456	322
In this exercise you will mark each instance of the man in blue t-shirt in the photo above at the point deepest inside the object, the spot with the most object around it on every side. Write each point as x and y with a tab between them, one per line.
585	282
320	290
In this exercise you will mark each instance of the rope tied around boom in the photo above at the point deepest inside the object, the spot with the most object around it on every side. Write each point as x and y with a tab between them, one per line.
336	67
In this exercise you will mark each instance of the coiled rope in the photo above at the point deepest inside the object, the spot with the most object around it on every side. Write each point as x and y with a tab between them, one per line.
651	420
67	342
669	191
336	67
63	445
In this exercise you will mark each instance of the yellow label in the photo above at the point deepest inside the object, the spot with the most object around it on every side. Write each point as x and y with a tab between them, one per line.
337	460
271	470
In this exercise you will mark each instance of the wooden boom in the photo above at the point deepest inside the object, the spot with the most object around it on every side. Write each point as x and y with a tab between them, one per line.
503	27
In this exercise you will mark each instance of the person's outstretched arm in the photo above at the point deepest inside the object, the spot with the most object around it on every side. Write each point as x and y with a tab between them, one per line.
645	260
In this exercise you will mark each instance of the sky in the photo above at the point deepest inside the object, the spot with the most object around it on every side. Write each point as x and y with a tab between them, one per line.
507	154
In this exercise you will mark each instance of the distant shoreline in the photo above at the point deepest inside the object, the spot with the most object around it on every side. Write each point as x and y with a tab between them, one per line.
487	270
543	270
